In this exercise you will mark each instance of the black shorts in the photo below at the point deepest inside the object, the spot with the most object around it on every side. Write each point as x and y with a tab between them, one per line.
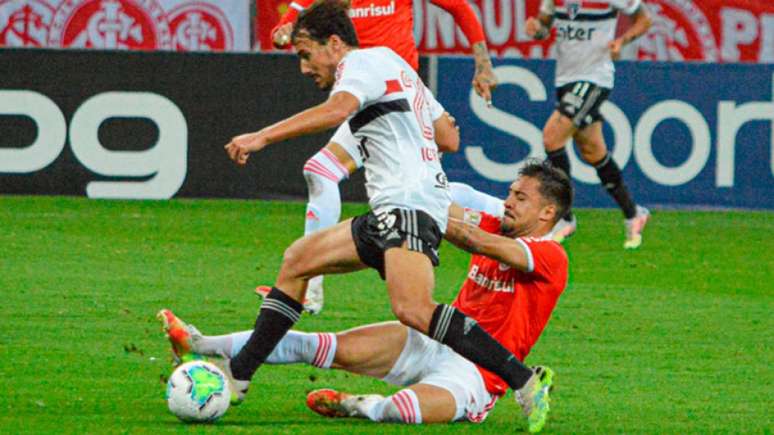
374	234
580	101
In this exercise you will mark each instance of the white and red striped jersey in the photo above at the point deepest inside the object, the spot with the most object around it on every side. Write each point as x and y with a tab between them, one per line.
583	30
394	127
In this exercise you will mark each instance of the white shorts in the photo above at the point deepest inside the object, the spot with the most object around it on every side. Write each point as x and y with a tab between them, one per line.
343	136
426	361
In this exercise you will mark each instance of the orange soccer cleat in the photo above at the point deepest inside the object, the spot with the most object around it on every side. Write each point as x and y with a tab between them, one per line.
180	335
327	402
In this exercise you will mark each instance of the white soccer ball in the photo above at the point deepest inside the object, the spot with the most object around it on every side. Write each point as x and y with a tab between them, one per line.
198	392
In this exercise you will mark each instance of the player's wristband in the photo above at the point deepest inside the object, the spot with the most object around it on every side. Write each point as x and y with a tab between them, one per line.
471	217
542	33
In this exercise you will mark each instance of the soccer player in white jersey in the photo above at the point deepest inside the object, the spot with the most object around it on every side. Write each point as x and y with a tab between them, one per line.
398	123
513	283
392	26
586	47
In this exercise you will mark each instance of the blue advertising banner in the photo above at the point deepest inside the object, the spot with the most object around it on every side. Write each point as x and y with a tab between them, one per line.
693	135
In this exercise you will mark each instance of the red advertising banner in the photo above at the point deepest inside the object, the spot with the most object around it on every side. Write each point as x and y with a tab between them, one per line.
182	25
701	30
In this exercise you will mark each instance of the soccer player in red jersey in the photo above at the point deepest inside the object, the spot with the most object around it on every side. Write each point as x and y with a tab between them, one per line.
515	277
387	23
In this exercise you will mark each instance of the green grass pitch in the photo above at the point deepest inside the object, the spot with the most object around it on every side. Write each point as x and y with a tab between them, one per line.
674	338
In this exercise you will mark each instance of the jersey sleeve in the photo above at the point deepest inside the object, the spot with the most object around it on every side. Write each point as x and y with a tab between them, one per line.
544	257
353	75
436	109
547	7
628	7
294	8
464	17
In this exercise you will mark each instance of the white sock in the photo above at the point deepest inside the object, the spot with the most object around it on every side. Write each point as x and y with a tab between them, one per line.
216	345
323	173
469	197
401	407
317	349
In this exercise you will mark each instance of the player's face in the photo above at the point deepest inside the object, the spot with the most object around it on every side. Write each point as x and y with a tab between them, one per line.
317	61
525	208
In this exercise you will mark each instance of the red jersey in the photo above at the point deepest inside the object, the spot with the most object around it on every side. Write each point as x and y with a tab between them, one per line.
390	23
511	305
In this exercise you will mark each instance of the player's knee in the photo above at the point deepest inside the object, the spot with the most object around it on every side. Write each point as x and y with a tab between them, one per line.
323	173
591	154
293	261
413	315
552	142
317	183
402	312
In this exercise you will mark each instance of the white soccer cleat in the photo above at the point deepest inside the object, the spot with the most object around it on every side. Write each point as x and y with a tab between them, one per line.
313	303
634	228
564	229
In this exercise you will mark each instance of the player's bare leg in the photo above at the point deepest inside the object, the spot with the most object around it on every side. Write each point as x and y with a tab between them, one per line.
594	151
556	133
410	282
323	172
370	350
328	251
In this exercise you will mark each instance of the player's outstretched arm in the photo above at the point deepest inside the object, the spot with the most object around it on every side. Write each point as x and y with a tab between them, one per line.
484	80
539	27
322	117
462	233
641	22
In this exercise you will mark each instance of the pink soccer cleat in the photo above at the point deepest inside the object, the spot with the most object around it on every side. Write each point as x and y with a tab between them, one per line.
634	227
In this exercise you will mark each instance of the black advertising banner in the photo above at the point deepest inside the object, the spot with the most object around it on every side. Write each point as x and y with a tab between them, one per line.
150	125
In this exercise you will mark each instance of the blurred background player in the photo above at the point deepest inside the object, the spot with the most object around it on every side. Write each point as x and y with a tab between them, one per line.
585	49
511	295
388	23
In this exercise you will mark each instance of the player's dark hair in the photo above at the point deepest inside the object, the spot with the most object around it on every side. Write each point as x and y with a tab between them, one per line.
324	19
555	185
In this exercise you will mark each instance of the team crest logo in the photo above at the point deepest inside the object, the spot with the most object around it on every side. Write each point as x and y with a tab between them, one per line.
573	8
24	23
110	24
680	31
200	27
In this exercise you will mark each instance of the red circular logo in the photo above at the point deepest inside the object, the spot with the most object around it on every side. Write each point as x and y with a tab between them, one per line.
680	31
24	23
110	24
200	27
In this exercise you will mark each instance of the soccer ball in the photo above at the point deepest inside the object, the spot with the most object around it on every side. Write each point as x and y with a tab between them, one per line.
198	392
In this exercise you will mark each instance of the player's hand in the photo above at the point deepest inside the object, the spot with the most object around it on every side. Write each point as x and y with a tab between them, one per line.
281	36
484	82
533	27
615	48
241	146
